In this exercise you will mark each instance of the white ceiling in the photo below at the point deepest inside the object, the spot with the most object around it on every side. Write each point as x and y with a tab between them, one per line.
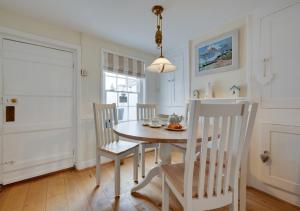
131	22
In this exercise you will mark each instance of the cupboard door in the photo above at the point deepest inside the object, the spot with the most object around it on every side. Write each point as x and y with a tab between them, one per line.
282	144
279	114
178	81
166	89
280	44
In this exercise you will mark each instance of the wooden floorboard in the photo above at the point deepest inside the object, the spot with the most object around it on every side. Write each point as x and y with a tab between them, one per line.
74	190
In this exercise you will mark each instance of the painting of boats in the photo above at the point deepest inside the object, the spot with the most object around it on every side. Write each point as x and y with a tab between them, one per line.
219	54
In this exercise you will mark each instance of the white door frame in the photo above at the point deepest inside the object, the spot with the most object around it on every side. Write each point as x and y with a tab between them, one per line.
42	41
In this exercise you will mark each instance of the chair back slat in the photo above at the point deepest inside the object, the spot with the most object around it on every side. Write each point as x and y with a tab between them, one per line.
203	156
229	154
105	117
222	142
107	125
225	127
145	111
212	159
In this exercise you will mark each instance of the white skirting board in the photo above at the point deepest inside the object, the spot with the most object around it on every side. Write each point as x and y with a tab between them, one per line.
278	193
26	173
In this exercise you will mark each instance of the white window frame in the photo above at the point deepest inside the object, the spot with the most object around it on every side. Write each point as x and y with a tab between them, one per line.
142	95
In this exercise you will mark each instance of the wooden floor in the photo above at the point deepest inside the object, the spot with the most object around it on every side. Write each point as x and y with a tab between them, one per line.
75	190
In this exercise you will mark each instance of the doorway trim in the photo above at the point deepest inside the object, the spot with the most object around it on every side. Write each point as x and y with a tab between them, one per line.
51	43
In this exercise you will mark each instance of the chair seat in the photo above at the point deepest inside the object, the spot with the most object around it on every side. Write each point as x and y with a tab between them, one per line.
175	174
118	147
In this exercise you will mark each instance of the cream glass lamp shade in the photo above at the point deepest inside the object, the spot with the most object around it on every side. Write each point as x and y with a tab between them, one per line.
161	65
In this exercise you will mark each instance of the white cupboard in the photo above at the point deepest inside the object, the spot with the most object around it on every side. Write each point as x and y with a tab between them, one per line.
173	86
275	84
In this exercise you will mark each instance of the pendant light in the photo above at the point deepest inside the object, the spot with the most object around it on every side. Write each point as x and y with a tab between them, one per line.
161	64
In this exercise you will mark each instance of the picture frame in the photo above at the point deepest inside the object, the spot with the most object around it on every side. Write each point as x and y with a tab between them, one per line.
219	54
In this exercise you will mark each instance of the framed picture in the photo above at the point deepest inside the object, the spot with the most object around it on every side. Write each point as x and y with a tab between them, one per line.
218	55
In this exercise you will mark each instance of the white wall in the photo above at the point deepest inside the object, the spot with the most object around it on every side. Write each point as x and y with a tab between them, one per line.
224	80
91	61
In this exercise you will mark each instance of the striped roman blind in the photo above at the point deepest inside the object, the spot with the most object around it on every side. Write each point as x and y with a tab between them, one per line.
123	65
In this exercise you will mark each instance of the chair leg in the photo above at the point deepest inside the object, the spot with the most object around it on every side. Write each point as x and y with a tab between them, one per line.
235	201
98	166
165	194
156	155
143	160
135	165
117	177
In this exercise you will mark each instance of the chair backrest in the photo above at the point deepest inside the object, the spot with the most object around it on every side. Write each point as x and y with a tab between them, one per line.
105	116
211	101
145	111
228	127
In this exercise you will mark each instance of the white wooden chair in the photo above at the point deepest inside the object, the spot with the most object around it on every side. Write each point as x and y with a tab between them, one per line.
146	111
109	145
182	147
202	185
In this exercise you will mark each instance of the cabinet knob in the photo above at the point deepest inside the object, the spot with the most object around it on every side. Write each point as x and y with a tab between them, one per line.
265	156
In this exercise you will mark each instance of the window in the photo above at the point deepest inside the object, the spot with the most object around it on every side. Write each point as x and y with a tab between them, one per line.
125	91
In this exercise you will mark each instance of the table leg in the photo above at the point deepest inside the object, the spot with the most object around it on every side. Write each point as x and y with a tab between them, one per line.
165	158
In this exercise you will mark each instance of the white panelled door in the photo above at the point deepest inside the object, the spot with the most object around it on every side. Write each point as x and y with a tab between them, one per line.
277	56
38	103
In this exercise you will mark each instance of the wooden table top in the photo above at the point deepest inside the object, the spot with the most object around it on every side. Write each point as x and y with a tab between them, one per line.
136	131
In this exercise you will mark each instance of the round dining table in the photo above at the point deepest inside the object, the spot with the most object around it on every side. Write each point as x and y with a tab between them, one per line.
136	131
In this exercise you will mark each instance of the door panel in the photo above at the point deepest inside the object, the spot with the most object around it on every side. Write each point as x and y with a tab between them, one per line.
36	148
51	79
38	82
179	81
34	53
283	168
166	91
172	87
35	113
280	50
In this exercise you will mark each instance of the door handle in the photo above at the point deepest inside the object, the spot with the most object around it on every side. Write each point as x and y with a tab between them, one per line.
265	156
